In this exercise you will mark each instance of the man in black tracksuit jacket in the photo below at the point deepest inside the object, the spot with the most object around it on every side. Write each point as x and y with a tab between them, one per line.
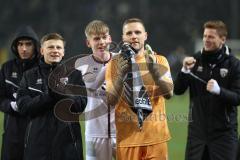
50	136
25	47
212	129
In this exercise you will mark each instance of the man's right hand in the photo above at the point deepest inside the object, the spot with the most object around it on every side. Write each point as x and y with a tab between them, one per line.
188	64
121	68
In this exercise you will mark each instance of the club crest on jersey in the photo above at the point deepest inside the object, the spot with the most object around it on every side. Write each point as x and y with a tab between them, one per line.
14	74
64	80
223	72
199	69
39	81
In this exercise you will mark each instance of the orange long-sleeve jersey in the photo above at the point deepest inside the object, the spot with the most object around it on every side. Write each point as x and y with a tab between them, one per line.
155	129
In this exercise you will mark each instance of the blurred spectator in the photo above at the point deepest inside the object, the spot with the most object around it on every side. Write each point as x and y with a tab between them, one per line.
3	55
175	59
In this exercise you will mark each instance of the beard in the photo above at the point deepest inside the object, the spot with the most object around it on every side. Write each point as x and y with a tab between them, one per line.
138	47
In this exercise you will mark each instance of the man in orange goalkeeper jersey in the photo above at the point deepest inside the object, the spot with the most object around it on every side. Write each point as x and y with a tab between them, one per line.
137	85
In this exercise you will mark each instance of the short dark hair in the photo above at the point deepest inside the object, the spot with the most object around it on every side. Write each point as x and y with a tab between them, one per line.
133	20
218	25
50	36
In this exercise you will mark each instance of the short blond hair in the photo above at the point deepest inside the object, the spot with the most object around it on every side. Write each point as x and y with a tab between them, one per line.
96	27
218	25
50	36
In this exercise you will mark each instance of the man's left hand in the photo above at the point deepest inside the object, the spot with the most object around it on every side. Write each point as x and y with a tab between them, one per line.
150	59
213	87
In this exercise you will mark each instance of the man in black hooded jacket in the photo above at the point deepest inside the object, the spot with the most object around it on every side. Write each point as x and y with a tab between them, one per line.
213	78
25	46
52	133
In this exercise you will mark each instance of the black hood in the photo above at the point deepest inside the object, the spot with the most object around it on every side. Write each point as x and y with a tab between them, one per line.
25	32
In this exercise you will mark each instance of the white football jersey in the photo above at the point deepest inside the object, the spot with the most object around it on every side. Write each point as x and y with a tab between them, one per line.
96	112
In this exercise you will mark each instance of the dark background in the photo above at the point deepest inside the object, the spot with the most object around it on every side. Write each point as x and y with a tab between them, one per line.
173	27
169	23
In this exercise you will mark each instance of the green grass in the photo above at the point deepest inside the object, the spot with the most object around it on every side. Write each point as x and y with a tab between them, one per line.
177	112
178	105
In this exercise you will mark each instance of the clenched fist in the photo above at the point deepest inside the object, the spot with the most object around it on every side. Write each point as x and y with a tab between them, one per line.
188	64
213	87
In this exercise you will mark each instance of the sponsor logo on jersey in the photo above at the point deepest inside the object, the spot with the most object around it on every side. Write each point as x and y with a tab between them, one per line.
95	69
145	101
39	81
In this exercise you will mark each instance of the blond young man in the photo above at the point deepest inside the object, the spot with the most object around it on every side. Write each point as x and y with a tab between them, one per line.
100	127
149	139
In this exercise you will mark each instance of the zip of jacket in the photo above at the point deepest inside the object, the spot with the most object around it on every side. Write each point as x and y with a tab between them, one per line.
74	139
7	119
28	134
226	114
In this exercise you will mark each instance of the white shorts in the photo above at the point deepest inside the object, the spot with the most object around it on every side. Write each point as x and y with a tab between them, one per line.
100	148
